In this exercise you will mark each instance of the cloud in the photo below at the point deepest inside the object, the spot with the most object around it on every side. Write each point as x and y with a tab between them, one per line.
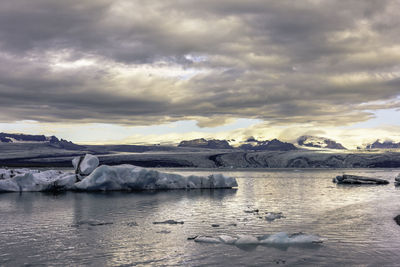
319	62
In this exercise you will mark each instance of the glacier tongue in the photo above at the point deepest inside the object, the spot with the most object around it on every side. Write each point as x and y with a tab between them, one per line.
106	178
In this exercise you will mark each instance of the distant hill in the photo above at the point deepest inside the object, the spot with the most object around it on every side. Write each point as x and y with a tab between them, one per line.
203	143
383	145
273	145
49	140
319	142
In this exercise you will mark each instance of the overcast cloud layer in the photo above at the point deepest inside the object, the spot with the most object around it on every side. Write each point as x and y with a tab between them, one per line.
318	62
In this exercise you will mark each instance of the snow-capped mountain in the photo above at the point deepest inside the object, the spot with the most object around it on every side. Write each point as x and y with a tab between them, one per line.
271	145
203	143
318	142
383	145
29	139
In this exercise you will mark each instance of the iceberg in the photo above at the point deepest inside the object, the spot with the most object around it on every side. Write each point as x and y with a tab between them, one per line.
34	180
273	216
84	165
280	239
129	177
356	179
246	240
283	238
106	178
397	180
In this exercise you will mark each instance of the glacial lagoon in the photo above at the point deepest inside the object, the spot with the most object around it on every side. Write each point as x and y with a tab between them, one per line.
117	228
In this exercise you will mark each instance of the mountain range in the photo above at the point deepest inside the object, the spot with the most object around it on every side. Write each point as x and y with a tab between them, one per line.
383	145
49	140
251	144
318	142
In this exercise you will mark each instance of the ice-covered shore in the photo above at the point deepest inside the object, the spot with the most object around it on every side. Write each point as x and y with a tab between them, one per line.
106	178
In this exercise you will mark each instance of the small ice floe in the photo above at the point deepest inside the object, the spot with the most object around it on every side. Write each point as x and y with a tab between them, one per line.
355	179
226	239
91	223
89	177
281	238
271	216
207	239
169	222
252	211
163	232
397	180
246	240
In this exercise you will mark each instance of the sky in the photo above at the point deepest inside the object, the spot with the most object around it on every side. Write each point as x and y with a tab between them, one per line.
143	71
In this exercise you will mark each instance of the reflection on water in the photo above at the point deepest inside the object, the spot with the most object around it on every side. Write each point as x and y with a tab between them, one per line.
40	228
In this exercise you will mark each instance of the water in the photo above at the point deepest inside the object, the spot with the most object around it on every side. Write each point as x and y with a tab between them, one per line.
41	229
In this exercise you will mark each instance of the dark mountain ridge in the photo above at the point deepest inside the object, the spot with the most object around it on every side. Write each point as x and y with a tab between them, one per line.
273	145
203	143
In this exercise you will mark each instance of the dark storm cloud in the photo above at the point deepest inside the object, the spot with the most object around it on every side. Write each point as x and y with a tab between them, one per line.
147	62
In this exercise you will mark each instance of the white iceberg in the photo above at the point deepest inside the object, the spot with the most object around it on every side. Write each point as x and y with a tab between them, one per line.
270	216
227	239
397	180
207	239
34	180
246	240
129	177
281	238
106	178
84	165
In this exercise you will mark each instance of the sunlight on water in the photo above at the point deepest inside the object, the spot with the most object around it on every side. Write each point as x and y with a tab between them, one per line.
117	228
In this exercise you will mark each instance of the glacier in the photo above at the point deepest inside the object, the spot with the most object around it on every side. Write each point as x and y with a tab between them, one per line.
106	178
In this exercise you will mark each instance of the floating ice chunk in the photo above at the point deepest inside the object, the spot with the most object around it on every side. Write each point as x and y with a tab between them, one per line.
34	180
252	211
163	232
91	223
283	238
356	179
397	180
273	216
279	239
207	239
168	222
247	240
227	239
85	165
